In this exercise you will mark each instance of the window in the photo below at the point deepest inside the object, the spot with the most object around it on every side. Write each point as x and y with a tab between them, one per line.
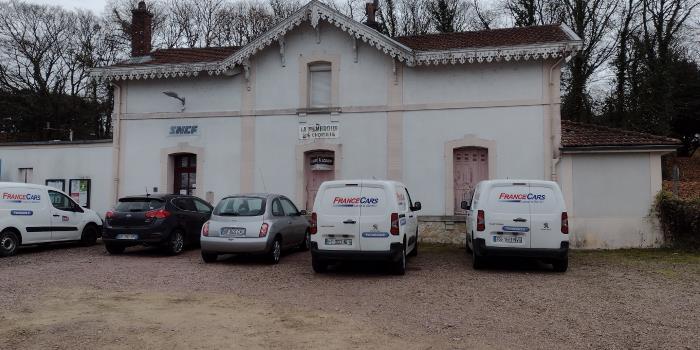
61	201
58	184
320	85
185	174
136	205
202	207
240	206
26	175
289	207
184	204
277	208
79	190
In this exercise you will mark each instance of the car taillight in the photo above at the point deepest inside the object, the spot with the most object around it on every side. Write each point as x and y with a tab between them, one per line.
157	214
565	223
205	229
480	221
109	214
263	230
395	224
313	225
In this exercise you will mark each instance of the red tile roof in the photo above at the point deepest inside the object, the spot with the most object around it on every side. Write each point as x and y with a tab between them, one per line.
580	135
175	56
486	38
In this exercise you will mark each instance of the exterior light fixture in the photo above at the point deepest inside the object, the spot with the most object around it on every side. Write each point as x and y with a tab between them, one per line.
177	97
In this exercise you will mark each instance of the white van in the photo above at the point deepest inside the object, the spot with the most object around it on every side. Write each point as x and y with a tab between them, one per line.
33	214
524	218
363	220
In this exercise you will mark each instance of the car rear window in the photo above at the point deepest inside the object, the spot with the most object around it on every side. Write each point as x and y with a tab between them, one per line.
240	206
138	204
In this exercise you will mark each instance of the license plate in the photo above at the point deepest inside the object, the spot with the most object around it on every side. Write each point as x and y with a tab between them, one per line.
128	236
233	231
506	239
330	241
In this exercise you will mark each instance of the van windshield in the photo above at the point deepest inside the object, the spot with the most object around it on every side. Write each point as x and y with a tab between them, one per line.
240	206
134	205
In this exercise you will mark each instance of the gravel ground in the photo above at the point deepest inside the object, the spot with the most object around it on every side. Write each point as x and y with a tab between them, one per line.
75	297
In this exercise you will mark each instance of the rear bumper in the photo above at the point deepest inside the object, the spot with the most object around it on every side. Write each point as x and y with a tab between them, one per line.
393	254
481	249
219	245
146	236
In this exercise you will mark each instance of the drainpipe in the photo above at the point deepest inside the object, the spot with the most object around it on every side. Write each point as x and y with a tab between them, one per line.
553	127
116	137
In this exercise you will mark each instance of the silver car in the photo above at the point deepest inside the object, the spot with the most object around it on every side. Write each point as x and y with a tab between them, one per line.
254	224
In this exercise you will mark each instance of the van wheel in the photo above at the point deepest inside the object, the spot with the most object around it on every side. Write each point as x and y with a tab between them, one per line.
318	265
89	236
176	243
477	261
8	243
466	244
273	256
209	257
115	249
306	243
414	252
561	265
400	266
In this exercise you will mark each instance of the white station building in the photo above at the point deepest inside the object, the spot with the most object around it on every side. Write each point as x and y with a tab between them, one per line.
321	97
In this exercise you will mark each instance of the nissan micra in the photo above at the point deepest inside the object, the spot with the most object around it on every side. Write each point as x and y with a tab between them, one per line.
264	224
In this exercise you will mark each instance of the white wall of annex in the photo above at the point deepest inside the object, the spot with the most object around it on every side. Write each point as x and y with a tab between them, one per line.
143	140
518	133
89	161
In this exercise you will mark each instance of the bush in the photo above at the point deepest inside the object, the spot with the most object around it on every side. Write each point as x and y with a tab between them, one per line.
680	220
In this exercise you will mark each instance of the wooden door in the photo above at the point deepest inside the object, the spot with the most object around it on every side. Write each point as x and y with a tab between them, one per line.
471	165
314	178
185	174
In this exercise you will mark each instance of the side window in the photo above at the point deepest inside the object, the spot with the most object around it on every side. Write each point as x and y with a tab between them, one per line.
184	204
289	207
277	208
202	207
402	199
60	201
410	201
475	198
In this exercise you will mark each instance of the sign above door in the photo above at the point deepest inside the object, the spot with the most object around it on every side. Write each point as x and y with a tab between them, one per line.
319	131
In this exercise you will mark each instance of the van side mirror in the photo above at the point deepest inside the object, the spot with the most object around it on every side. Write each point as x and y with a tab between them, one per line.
465	205
416	206
303	213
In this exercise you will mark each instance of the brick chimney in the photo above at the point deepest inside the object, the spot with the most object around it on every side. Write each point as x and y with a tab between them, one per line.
141	30
371	8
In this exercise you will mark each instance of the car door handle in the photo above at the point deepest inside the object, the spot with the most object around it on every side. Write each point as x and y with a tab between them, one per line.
410	216
56	215
350	222
519	220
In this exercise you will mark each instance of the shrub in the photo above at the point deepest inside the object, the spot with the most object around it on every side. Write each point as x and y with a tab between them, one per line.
680	220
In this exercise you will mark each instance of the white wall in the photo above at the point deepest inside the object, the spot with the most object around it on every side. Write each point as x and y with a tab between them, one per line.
610	198
75	161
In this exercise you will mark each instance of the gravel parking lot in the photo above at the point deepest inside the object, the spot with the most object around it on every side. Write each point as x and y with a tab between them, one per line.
70	297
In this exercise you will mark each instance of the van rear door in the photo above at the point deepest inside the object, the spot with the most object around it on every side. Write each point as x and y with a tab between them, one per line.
338	216
507	215
545	216
375	218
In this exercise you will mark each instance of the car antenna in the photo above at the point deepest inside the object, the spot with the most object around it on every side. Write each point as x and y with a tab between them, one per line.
147	194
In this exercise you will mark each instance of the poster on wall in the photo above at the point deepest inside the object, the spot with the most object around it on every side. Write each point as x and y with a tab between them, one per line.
80	191
58	184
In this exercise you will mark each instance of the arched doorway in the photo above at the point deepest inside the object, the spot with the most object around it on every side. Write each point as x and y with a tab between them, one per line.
319	166
184	173
470	165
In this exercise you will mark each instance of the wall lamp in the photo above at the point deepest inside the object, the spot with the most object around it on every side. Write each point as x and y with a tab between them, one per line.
177	97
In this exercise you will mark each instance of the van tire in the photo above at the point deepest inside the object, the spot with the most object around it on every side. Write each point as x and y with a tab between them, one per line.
477	261
466	245
306	243
318	265
414	252
400	266
275	252
561	265
209	257
89	236
114	249
176	243
9	242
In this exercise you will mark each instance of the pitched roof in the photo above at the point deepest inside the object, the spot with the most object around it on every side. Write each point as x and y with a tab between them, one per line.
486	38
576	135
178	56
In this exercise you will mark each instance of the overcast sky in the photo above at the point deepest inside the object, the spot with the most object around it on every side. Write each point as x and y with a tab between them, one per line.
96	6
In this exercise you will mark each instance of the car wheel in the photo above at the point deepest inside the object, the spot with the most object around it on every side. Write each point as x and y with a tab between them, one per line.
209	257
318	265
306	243
176	243
273	256
561	265
414	252
477	261
8	243
89	236
400	266
114	249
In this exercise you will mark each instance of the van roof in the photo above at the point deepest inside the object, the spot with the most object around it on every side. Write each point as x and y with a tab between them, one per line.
364	182
24	185
518	181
